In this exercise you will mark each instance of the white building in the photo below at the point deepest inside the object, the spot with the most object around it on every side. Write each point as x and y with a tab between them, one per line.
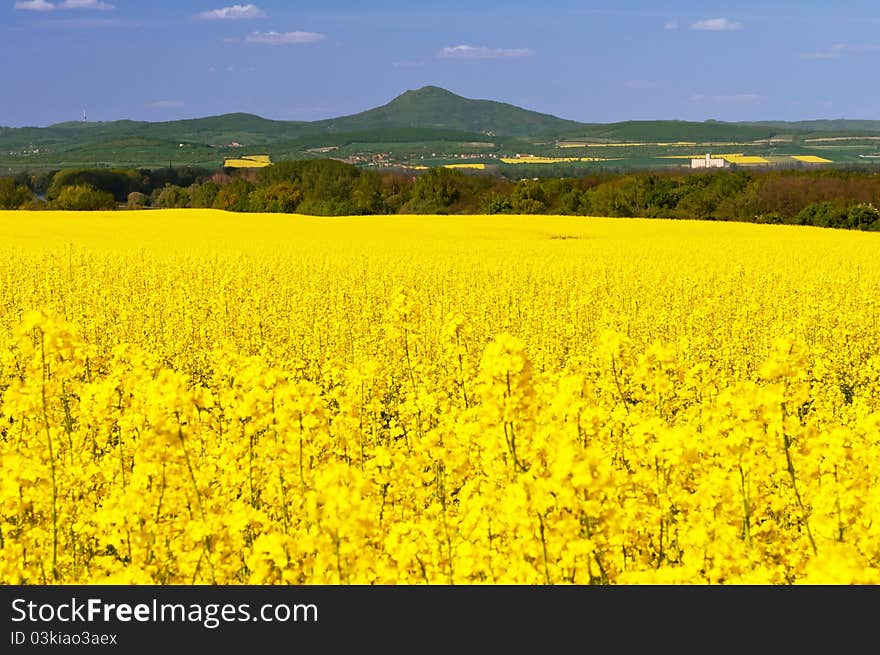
708	162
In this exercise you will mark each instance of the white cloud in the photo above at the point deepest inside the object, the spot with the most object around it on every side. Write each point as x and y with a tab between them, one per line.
283	38
834	52
481	52
727	99
670	25
717	25
235	12
43	5
167	104
34	5
85	4
839	50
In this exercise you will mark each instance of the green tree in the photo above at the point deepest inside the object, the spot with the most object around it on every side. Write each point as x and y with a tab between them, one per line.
823	214
233	197
435	192
172	197
863	216
118	183
12	195
498	204
83	197
529	197
138	200
203	195
282	197
608	199
367	193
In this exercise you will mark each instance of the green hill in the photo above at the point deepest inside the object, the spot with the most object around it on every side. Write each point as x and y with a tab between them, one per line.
827	125
432	106
429	108
429	123
640	131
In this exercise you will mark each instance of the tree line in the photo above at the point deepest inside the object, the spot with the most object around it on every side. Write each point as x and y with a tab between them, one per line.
326	187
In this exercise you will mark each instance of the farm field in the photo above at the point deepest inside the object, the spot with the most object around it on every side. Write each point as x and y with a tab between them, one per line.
195	396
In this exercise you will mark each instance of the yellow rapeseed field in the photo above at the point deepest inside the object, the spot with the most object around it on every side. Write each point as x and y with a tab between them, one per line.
191	396
811	159
745	159
248	161
531	159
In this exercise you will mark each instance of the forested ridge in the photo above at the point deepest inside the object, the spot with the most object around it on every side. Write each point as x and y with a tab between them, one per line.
326	187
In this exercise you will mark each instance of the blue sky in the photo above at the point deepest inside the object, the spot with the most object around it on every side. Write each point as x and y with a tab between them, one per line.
308	59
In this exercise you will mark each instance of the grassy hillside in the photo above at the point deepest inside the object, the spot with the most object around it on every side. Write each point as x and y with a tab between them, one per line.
834	125
435	107
428	125
676	131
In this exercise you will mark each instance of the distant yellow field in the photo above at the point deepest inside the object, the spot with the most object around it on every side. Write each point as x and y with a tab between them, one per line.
745	159
549	160
248	161
812	159
675	144
475	166
200	397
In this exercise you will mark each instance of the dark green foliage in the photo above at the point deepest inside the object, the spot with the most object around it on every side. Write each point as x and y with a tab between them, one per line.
367	193
283	171
528	197
36	204
327	207
703	194
83	197
328	180
498	204
863	216
326	187
280	197
171	197
118	183
12	195
435	192
234	196
185	176
614	198
203	195
138	200
769	219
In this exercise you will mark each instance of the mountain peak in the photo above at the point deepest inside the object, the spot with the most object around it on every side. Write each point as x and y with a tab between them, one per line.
430	90
426	94
435	107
